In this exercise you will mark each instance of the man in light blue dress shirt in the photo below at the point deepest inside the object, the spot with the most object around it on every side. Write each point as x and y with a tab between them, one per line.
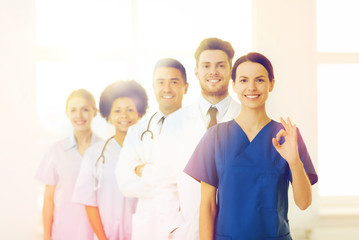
213	71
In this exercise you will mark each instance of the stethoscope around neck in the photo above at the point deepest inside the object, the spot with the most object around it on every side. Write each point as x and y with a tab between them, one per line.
100	162
148	131
99	168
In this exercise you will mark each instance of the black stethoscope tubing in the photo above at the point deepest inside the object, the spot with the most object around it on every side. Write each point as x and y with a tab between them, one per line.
103	150
148	128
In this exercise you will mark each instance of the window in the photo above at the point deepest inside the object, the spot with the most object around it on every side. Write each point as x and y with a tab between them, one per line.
89	44
337	22
338	67
338	131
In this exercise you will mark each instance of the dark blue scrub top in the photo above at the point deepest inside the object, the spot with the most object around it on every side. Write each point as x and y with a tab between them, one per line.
252	180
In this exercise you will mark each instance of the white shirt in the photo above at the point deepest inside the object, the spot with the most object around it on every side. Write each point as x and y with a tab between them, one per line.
60	167
222	108
158	205
184	130
115	209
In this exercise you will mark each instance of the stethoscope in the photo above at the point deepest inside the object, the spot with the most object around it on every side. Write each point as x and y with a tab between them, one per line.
148	128
98	170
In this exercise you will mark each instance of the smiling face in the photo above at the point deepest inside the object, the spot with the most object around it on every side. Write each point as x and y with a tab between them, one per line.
252	85
80	112
213	72
169	88
123	114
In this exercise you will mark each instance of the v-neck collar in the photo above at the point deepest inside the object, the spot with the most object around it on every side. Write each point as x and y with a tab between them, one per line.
256	136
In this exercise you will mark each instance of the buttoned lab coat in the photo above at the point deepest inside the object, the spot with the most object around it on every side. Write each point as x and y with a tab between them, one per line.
157	212
184	130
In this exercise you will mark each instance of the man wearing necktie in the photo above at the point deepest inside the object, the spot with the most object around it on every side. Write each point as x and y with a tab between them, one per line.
213	71
212	111
140	171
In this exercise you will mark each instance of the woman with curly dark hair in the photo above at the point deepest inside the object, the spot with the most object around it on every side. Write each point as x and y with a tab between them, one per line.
122	104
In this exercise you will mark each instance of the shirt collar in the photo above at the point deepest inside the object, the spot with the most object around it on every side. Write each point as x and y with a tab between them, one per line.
158	116
70	142
222	106
155	117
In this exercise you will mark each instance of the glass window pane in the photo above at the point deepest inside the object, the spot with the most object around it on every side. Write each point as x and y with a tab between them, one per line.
337	25
168	24
83	23
338	130
55	80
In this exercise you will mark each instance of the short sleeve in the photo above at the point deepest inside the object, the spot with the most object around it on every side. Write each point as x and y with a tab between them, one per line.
202	164
306	160
84	192
46	172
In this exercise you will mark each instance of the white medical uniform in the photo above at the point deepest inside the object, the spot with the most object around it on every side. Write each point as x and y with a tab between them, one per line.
115	209
185	129
157	212
60	167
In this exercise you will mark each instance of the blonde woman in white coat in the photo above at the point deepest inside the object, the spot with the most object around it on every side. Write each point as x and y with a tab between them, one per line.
186	127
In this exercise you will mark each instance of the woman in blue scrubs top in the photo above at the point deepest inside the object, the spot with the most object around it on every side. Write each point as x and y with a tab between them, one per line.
245	165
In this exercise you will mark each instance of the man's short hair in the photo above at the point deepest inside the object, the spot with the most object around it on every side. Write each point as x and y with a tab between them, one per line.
215	44
171	63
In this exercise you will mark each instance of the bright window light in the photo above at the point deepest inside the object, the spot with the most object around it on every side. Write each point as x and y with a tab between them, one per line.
338	130
83	23
164	24
91	43
56	80
337	25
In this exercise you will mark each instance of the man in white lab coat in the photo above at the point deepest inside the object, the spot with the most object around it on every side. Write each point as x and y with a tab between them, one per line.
141	172
188	125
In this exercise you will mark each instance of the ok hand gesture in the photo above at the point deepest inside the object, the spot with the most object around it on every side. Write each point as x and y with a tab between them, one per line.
289	149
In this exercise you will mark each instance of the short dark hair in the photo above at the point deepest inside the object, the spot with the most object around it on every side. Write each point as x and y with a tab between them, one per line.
256	58
82	93
214	44
171	63
118	89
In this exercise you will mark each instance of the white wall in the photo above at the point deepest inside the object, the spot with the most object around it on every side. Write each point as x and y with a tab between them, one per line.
18	130
285	31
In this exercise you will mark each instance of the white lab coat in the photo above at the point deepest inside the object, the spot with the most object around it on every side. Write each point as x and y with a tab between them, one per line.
185	129
157	212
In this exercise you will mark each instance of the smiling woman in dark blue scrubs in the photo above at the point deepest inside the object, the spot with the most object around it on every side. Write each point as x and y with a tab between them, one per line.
248	163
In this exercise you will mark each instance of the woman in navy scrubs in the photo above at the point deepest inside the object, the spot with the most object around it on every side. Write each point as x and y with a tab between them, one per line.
248	162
